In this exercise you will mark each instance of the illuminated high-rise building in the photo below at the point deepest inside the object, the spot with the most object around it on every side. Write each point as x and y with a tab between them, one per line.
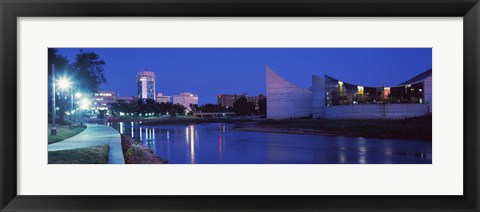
146	85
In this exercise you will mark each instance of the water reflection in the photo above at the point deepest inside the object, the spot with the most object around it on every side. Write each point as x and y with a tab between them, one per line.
192	144
221	131
181	144
121	128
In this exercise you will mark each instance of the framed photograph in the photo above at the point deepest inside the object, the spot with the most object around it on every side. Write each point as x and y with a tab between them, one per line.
225	105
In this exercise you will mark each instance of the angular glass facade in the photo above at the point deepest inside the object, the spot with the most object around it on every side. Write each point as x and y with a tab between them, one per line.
332	98
286	100
342	93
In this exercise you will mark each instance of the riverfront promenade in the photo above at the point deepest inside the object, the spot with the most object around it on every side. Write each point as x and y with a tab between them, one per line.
94	135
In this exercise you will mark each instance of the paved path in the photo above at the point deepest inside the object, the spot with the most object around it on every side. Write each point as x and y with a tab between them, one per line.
94	135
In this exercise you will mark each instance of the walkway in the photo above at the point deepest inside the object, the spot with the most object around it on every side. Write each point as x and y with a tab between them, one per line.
94	135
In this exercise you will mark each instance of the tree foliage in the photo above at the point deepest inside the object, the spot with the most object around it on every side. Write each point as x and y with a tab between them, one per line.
212	108
86	74
243	107
89	71
62	67
262	106
144	106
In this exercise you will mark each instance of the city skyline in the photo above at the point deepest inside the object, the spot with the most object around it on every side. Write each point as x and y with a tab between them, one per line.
208	72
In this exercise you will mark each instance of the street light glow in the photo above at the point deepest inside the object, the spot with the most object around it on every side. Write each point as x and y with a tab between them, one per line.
85	104
78	95
64	83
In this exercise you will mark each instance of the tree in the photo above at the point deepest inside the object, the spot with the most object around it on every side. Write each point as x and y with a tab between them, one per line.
121	106
195	108
212	108
177	109
164	107
86	74
262	105
89	71
61	68
243	107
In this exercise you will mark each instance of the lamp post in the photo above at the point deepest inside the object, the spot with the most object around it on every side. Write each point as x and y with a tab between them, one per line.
53	130
65	84
77	116
84	105
71	108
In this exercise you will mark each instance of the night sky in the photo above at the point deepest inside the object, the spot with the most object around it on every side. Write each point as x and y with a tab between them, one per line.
211	71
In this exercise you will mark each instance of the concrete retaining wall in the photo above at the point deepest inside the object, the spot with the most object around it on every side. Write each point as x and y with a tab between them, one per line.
376	111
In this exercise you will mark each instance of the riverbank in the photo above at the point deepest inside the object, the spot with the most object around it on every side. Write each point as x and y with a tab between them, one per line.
419	128
135	153
174	121
415	128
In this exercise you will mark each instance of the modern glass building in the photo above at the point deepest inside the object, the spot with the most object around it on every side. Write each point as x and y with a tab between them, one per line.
146	85
332	98
411	91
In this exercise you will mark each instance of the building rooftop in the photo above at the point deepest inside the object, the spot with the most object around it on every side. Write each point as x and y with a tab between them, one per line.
418	78
148	73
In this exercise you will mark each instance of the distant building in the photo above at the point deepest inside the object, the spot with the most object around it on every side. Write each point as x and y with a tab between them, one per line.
186	99
227	100
102	99
331	98
146	85
160	98
124	98
255	99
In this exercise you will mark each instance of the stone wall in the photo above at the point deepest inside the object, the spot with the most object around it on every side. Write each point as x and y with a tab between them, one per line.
376	111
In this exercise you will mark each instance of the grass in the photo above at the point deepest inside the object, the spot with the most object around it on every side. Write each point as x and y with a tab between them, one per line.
63	132
413	128
89	155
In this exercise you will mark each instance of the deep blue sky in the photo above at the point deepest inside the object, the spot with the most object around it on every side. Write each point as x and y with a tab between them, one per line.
211	71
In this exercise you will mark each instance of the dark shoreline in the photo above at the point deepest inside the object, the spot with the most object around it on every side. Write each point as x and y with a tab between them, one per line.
173	121
135	153
312	132
419	128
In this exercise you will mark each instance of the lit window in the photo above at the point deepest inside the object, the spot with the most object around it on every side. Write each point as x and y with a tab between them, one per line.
360	90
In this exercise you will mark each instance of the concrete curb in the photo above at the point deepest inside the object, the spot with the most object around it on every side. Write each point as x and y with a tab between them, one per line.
115	155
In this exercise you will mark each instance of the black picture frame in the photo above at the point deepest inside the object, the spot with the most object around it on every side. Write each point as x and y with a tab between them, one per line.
11	9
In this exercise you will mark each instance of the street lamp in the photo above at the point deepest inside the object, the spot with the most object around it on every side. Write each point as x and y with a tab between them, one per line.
53	130
78	95
84	105
65	84
62	84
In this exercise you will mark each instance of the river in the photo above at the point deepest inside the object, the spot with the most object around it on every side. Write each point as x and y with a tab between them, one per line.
219	143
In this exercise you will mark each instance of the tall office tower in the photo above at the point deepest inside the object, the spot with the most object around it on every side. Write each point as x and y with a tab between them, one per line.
146	85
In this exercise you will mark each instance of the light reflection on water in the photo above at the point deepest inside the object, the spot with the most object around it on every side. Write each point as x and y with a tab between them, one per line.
219	143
